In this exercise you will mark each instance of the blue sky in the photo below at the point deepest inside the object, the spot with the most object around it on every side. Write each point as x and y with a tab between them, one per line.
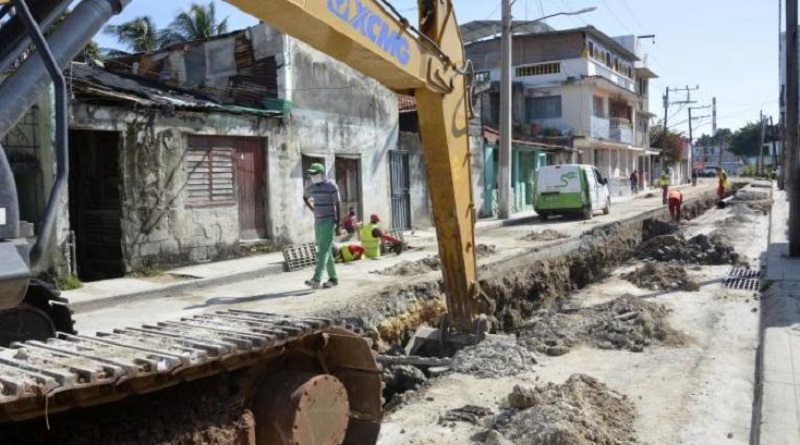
727	47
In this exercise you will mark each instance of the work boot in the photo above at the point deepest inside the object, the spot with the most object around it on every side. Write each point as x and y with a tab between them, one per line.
313	284
330	283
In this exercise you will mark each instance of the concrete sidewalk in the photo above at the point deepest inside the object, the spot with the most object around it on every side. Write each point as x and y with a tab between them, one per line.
780	331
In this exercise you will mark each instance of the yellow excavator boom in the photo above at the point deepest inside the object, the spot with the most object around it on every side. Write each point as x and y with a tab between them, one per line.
427	62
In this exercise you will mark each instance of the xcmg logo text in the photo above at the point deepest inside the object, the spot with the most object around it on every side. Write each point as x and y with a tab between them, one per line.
372	26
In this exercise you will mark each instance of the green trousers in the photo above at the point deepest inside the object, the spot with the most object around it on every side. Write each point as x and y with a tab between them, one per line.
323	233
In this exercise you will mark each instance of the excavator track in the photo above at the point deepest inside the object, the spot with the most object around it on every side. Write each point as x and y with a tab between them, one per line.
287	367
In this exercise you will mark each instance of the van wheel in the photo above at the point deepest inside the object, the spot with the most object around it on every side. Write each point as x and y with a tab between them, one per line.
588	213
544	216
607	210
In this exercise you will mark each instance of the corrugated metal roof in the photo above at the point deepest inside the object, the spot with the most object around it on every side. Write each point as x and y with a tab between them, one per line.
93	81
406	103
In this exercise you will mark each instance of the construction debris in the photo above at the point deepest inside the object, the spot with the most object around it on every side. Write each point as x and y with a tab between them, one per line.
419	267
661	276
467	413
626	323
545	235
484	250
700	249
493	358
582	411
399	379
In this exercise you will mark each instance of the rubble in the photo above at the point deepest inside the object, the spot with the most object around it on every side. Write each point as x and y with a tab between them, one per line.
484	250
419	267
661	276
581	411
399	379
545	235
700	249
492	359
467	413
626	323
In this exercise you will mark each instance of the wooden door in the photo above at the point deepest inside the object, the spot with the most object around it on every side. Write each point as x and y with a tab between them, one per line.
250	169
348	179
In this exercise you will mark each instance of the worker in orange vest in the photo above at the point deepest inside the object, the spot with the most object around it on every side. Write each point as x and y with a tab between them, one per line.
675	200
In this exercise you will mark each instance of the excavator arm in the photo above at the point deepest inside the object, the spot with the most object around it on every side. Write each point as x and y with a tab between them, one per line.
428	62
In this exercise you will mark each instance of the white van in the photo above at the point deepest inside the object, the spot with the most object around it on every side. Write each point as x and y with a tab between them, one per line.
570	188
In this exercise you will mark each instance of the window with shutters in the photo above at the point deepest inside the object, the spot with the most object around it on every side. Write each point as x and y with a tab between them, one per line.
209	169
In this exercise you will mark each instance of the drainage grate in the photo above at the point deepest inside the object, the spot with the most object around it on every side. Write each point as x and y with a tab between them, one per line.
741	278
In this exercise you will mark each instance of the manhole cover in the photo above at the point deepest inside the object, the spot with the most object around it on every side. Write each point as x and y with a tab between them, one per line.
741	278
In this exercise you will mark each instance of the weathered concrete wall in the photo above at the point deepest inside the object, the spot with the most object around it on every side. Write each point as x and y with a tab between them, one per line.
158	225
337	111
421	215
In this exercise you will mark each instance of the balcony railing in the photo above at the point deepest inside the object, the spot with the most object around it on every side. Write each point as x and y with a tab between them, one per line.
620	130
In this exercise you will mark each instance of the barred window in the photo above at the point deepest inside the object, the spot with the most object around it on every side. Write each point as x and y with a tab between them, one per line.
209	172
539	69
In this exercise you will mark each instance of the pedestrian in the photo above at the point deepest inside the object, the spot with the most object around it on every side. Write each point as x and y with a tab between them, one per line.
723	184
634	182
779	176
350	223
663	181
347	253
371	236
694	177
322	197
675	199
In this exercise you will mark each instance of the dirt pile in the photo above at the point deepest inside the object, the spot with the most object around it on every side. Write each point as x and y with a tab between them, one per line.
753	199
418	267
700	249
492	359
399	379
208	411
581	411
626	323
661	276
545	235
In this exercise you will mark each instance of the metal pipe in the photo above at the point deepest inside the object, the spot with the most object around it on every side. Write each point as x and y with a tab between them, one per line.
62	142
22	88
23	41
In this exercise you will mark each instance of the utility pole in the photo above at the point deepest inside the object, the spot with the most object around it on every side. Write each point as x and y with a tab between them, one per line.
721	142
504	207
761	144
791	143
667	103
774	144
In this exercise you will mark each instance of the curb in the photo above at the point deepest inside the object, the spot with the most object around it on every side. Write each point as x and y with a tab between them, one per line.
182	287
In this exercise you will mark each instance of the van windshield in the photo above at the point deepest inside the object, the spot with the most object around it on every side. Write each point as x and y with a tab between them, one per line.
559	180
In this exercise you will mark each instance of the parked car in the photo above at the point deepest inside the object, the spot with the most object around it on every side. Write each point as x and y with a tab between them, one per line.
570	188
709	172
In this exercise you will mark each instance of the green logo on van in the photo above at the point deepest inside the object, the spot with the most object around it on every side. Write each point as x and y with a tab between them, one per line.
567	177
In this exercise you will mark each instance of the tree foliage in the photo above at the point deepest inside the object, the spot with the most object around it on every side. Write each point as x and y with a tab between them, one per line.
672	143
746	141
723	135
142	35
137	35
197	23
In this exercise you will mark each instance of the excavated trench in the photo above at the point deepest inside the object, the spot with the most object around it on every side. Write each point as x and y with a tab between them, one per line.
511	290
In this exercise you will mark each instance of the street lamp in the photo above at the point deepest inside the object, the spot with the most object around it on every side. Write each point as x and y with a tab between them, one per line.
504	183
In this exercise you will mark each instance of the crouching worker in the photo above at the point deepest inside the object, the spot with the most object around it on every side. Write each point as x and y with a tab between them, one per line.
347	253
371	236
675	199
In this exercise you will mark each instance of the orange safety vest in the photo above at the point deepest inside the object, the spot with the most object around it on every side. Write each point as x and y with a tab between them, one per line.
675	194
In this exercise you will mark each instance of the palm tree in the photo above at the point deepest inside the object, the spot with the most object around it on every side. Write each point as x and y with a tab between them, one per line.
199	22
138	35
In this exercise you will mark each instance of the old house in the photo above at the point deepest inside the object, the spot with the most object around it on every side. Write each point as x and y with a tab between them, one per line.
181	154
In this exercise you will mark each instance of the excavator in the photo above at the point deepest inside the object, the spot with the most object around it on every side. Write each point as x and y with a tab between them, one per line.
302	380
